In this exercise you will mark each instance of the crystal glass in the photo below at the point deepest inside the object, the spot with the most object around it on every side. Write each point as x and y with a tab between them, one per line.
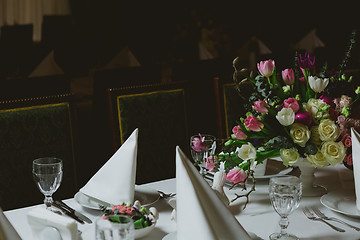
285	194
47	174
201	147
121	229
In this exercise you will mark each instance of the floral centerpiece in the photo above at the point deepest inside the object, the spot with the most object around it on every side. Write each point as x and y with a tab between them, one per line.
297	114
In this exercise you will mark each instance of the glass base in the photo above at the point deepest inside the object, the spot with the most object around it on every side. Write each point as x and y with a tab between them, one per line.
283	236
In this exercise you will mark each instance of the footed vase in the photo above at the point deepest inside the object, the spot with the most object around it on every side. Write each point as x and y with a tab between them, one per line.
309	188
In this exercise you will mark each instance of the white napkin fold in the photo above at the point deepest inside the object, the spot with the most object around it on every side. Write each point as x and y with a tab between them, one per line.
200	213
114	182
355	138
7	231
40	218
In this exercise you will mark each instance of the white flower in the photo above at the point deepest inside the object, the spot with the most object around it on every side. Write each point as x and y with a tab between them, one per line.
334	152
328	130
318	84
246	151
286	116
317	160
300	134
289	156
314	105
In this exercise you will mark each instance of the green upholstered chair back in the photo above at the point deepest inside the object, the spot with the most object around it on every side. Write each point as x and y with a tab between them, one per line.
159	112
230	107
31	129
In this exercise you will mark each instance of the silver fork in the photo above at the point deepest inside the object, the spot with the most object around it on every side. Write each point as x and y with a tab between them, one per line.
311	216
321	215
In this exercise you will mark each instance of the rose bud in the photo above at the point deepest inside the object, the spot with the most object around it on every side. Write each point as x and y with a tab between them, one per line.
304	118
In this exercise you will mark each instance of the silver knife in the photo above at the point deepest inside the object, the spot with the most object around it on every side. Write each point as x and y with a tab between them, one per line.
76	213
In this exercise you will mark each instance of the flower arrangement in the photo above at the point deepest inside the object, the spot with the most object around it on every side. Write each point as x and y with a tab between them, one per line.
141	216
294	114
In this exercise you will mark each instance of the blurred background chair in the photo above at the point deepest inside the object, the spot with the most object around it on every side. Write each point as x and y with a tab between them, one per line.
29	129
159	111
230	104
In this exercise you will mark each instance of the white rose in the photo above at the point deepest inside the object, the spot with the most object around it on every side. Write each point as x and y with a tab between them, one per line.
300	134
334	152
313	106
318	84
286	116
328	130
246	151
317	160
289	156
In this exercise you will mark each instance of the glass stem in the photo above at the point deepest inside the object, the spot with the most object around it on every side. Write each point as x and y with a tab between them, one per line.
284	223
48	201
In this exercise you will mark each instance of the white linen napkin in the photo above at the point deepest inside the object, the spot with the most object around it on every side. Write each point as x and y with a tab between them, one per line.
355	138
114	182
7	230
200	213
40	218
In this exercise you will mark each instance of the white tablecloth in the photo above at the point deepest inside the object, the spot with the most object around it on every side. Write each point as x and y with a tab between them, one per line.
258	217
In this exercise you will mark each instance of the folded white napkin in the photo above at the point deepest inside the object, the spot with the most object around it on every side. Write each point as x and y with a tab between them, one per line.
114	183
40	219
355	138
7	231
200	213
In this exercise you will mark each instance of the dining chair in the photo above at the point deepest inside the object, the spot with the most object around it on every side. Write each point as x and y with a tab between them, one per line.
32	128
159	111
230	105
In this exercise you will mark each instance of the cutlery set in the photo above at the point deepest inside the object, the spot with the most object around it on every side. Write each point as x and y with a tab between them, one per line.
67	210
316	215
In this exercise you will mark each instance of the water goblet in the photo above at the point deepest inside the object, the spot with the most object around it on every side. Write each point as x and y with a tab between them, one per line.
202	146
47	174
285	194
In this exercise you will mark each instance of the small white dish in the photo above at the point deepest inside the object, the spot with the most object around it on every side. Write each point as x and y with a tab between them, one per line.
145	195
139	233
341	201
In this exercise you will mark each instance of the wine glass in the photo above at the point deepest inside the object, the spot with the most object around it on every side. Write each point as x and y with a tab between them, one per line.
285	194
202	146
47	174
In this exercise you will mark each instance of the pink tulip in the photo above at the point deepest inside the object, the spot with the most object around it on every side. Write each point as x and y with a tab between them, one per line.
238	133
210	163
261	106
328	100
292	103
304	118
198	144
236	175
266	68
288	76
253	123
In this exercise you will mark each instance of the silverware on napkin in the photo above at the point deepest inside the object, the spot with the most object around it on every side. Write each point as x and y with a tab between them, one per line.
76	213
323	216
311	216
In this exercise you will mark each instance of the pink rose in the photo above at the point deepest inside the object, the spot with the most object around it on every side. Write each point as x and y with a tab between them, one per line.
292	103
238	133
253	123
210	163
341	119
236	175
260	106
266	68
346	140
348	159
288	76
